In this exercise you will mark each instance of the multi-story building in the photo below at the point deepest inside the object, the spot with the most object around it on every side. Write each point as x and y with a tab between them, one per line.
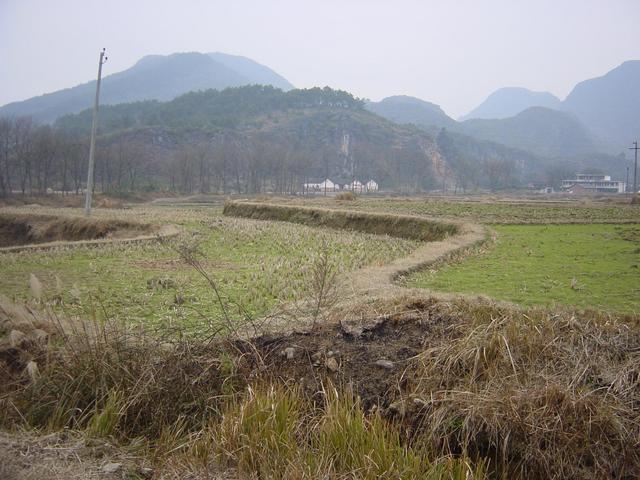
593	183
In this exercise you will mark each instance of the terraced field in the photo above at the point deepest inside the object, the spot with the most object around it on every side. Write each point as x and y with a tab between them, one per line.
583	254
256	264
490	211
595	266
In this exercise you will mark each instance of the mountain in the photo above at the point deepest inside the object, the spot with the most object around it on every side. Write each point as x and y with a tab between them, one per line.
541	131
507	102
254	72
405	109
262	137
154	77
610	105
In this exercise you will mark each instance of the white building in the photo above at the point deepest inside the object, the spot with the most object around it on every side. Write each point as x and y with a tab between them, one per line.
325	185
356	186
371	186
593	183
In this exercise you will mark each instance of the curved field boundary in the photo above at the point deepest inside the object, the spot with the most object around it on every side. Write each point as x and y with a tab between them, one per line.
403	226
165	231
442	240
382	279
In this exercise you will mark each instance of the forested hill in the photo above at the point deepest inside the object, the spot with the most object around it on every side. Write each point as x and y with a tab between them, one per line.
264	138
210	109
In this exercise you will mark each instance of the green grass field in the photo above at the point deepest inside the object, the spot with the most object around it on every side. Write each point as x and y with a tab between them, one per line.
255	263
586	266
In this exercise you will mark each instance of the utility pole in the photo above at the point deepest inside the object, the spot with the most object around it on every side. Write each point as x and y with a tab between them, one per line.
635	168
92	147
626	184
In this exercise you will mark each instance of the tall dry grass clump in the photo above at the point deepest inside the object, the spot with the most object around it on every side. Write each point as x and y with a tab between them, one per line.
275	432
111	379
543	395
346	196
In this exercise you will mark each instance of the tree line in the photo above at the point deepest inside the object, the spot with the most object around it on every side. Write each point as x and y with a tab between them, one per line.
35	159
43	159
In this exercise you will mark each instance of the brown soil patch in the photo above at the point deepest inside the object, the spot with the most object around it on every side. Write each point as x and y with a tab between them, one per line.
64	455
371	355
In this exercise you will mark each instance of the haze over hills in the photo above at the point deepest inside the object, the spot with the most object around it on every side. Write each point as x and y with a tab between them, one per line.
610	105
509	101
154	77
307	127
538	130
207	95
600	115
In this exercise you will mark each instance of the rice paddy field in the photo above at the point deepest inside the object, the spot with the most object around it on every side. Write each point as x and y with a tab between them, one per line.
255	264
595	266
583	254
491	210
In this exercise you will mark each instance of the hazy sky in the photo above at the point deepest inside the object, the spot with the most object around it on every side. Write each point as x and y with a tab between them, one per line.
453	53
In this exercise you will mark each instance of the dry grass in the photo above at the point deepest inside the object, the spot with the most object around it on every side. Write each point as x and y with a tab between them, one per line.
519	393
543	395
346	196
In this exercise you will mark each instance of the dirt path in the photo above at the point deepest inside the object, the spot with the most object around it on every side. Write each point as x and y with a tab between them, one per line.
380	280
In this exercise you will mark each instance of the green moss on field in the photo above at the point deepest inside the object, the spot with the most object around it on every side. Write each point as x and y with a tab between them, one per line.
587	266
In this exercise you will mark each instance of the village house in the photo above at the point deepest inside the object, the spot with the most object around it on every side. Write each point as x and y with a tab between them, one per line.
593	183
322	186
338	184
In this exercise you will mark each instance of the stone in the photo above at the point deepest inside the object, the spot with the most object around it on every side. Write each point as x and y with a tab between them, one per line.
357	326
39	335
384	363
316	358
112	468
332	364
32	370
17	338
145	472
398	408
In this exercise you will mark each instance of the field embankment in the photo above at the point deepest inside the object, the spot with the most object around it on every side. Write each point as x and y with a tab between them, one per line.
403	226
28	229
485	209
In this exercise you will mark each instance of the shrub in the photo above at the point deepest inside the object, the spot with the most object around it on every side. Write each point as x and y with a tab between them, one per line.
346	196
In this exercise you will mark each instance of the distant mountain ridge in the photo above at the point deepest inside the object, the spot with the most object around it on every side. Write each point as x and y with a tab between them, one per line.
405	109
509	101
539	130
610	105
153	77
